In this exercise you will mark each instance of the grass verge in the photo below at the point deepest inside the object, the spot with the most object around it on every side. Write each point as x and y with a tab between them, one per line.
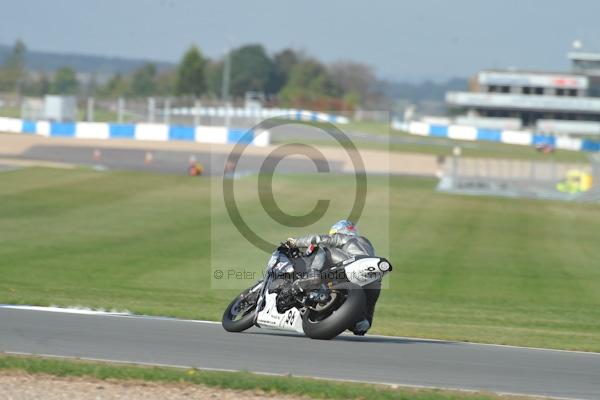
288	385
444	147
480	269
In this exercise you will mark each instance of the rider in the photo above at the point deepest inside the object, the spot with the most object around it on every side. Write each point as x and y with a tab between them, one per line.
342	242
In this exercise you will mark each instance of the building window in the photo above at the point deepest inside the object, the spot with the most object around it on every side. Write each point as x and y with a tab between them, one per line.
560	92
539	90
492	88
573	92
505	89
526	90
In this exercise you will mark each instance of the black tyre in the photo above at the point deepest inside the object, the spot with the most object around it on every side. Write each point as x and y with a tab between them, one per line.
239	315
347	308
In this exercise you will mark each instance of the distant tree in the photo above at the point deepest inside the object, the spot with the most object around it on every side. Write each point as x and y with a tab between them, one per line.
309	80
251	69
13	71
90	87
190	74
283	62
43	85
64	81
355	80
116	86
143	81
165	83
38	87
214	78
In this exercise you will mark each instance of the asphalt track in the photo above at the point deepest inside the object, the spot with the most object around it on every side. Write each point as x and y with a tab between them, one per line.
380	359
165	161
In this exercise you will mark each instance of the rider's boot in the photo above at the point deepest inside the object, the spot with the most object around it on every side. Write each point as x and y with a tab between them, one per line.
361	327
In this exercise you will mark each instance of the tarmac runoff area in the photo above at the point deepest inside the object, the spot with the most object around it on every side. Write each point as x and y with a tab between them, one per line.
174	157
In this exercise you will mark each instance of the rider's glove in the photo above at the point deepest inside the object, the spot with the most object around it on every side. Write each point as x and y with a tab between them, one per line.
291	242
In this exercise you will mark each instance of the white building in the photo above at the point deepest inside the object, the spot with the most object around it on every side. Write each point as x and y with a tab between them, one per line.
543	101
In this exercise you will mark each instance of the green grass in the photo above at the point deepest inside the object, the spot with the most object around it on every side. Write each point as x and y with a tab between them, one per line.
482	149
494	270
286	385
371	127
444	147
100	114
440	146
10	112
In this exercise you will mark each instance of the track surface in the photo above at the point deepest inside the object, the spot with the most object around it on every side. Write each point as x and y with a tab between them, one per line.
369	359
166	161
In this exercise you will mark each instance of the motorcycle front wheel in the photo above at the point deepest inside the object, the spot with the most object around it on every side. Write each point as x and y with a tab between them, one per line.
239	314
346	307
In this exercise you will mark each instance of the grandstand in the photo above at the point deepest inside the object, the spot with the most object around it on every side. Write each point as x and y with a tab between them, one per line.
546	102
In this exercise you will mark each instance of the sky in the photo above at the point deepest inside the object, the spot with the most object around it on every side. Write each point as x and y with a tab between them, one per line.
403	40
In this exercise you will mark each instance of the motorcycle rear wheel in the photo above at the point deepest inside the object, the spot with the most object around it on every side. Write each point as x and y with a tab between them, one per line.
329	324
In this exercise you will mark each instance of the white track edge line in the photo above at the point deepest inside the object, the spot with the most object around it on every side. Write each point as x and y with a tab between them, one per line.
83	311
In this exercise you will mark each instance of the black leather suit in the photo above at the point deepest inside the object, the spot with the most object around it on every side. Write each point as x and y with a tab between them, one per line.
339	247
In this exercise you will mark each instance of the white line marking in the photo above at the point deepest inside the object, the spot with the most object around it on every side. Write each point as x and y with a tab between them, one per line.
88	311
85	311
392	385
71	310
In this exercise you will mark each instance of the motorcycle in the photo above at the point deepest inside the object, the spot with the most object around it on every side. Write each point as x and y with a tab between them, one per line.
320	313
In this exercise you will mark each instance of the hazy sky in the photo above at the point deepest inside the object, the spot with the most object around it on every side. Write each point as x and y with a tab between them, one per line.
402	39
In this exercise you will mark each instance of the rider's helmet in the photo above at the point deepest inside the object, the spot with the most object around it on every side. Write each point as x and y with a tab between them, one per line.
344	227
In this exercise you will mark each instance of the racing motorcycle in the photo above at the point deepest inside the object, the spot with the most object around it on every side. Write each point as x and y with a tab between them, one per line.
320	313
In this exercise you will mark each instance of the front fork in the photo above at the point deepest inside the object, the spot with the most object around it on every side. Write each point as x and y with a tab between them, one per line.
262	286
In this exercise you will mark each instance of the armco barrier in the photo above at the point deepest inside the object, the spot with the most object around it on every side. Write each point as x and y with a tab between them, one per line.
262	113
525	138
155	132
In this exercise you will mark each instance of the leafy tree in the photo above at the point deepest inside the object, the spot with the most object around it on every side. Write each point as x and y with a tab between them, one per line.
251	69
64	81
165	83
309	80
214	77
190	74
13	71
116	86
38	87
143	81
283	62
90	87
355	80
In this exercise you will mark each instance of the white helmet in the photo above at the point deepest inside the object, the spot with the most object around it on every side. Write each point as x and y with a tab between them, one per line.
344	227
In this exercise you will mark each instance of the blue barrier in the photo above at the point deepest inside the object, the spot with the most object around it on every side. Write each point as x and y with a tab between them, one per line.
29	126
438	130
490	135
544	140
588	145
121	131
494	135
240	136
181	132
62	129
207	134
